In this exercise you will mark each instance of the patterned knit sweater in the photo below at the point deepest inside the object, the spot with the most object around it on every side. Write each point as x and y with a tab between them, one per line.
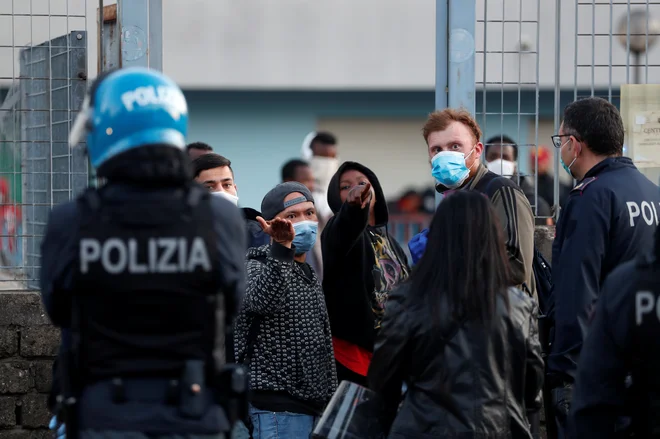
293	348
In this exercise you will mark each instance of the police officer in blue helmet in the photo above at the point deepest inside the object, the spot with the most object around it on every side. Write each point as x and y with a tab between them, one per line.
143	275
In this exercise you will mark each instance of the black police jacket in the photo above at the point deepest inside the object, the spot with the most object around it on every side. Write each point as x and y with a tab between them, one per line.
144	269
464	379
609	218
622	338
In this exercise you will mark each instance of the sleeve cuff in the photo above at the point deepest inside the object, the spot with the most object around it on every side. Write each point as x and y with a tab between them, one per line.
281	253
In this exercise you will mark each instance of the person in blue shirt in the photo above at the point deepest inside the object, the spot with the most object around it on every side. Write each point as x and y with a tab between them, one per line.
610	217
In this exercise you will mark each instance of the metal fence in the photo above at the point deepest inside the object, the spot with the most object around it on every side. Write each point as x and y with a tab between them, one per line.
43	72
518	62
533	57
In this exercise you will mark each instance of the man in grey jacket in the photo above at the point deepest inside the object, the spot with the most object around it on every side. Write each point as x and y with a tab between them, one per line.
283	330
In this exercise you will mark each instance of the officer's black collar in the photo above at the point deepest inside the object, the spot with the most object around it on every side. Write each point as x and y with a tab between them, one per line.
608	162
250	214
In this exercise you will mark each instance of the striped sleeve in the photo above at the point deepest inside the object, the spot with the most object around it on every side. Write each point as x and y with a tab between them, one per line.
517	219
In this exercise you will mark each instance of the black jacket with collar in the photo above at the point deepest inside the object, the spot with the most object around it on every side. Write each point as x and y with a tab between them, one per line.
465	379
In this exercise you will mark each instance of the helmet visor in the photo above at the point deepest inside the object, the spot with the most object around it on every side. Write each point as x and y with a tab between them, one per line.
81	125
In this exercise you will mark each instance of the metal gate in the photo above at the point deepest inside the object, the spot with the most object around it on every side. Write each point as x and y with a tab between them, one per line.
52	88
517	63
44	83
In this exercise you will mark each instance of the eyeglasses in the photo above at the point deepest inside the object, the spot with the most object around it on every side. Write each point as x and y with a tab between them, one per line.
556	139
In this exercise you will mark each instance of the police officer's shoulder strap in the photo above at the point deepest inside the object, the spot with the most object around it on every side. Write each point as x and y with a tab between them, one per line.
583	185
646	260
91	198
195	194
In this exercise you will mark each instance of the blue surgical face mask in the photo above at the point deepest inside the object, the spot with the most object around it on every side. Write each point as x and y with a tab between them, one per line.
449	168
305	236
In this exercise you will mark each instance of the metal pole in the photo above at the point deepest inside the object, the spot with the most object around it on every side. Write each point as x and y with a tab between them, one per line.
441	60
441	56
637	57
100	64
455	47
141	33
462	23
557	167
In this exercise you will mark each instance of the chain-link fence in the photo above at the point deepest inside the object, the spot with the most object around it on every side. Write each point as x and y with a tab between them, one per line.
536	56
43	72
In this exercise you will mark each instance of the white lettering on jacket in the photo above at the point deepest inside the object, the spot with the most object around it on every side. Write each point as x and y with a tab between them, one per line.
645	303
646	209
163	255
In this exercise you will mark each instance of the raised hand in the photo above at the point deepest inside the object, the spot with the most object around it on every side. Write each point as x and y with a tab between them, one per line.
279	229
360	195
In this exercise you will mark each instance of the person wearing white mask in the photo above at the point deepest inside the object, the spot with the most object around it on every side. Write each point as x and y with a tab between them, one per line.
502	158
214	172
319	149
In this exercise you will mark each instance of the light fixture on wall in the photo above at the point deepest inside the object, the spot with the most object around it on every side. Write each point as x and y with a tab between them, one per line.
639	31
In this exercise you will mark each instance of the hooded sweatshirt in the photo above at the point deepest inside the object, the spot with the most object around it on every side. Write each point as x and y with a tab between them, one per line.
362	264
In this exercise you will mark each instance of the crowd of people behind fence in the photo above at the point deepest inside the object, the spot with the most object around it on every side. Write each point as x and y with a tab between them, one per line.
468	332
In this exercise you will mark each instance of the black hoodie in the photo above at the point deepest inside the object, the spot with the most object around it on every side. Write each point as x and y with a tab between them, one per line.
349	261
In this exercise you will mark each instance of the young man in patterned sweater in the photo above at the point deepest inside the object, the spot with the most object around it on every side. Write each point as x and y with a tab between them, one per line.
283	330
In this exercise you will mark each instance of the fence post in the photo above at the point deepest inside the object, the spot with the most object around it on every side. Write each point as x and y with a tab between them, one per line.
132	35
455	48
441	48
462	22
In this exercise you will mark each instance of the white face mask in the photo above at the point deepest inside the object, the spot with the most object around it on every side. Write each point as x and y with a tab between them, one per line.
323	169
227	196
505	168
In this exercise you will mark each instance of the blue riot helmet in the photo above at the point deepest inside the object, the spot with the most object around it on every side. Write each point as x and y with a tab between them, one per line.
130	108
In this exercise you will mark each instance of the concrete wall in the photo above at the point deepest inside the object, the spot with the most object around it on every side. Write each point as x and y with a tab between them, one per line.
28	345
349	44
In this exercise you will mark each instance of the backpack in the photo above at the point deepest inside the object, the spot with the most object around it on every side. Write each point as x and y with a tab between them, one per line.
491	183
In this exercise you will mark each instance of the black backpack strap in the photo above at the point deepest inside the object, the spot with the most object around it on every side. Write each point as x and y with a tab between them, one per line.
91	202
91	199
491	183
195	194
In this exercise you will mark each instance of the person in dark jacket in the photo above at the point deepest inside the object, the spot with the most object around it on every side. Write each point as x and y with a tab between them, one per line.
463	341
214	172
623	339
362	264
143	273
609	218
283	330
